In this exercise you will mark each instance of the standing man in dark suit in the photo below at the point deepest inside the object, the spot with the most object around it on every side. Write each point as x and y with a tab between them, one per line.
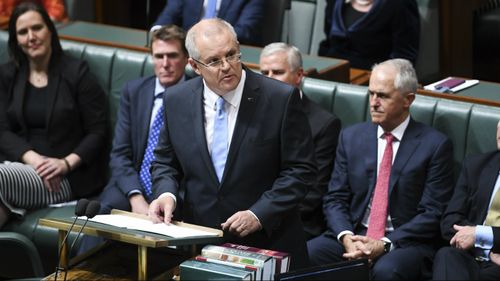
245	15
472	222
390	184
140	102
241	146
284	62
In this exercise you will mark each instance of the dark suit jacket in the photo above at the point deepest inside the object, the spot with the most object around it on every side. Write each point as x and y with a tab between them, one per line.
325	128
77	120
131	133
469	204
391	29
269	167
420	183
129	142
244	15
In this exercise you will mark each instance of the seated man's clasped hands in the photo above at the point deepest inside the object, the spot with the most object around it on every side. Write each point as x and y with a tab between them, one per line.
471	222
390	184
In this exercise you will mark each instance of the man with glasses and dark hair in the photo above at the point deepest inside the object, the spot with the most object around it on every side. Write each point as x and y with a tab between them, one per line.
139	120
239	144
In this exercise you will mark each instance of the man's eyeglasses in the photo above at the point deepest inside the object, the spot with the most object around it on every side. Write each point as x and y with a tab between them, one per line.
218	63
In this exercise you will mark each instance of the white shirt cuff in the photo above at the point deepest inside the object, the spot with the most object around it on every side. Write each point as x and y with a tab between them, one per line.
484	237
170	195
339	237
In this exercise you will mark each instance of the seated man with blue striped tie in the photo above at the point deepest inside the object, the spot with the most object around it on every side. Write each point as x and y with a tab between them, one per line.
138	123
471	222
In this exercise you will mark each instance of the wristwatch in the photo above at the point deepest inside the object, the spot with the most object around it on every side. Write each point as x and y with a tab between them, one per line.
387	246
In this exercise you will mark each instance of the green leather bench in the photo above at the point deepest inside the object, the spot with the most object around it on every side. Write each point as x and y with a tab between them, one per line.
112	68
471	128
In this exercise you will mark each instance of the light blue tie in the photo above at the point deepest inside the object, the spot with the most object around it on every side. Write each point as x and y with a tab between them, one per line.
154	132
219	140
210	10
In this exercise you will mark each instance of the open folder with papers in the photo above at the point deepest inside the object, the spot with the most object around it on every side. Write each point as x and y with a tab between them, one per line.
451	85
174	229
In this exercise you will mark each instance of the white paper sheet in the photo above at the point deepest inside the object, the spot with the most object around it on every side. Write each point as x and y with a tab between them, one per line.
148	226
466	84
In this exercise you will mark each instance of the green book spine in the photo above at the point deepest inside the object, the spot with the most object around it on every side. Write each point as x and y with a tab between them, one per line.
198	270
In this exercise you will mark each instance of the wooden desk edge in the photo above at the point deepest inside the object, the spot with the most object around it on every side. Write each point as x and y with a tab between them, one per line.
147	241
458	97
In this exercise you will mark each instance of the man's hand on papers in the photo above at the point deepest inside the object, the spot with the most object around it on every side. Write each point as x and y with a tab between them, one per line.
139	204
161	209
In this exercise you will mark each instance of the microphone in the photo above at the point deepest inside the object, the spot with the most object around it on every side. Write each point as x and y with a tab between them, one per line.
80	209
91	211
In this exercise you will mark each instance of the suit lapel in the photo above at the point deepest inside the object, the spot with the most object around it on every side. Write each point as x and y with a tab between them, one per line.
53	91
407	147
248	104
145	101
486	184
198	115
370	154
223	8
18	93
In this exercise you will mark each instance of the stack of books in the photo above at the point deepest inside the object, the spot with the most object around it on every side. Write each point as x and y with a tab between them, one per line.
235	262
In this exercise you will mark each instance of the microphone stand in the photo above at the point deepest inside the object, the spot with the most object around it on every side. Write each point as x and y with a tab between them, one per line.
79	210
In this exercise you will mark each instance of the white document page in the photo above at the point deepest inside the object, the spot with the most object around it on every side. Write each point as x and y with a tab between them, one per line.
466	84
148	226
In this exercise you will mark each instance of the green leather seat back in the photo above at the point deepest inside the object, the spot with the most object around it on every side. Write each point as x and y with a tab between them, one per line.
100	60
299	23
148	68
422	109
127	65
481	132
452	119
351	104
73	48
4	51
320	91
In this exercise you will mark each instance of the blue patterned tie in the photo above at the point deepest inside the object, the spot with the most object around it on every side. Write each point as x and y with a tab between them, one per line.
154	132
210	10
219	140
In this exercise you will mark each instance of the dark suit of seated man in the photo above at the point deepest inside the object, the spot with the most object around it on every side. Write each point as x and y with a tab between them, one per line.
140	102
390	184
245	15
471	222
284	62
240	145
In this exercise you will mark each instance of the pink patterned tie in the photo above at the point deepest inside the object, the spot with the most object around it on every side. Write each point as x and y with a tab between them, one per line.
378	213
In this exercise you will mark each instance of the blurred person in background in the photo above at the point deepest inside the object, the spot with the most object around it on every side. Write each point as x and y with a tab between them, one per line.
55	8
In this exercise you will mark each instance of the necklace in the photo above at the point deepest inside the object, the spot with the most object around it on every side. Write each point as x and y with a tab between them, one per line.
38	78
